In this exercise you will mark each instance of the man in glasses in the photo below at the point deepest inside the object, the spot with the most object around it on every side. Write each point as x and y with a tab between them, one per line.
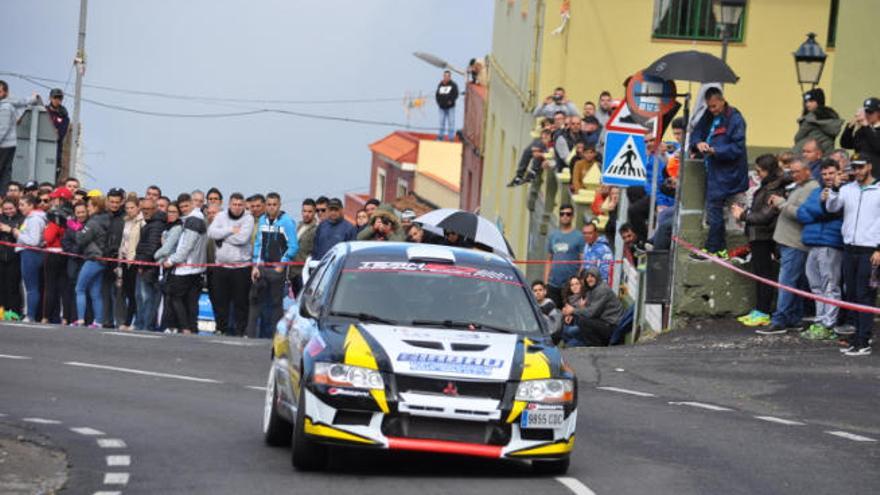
321	208
333	230
564	244
44	202
862	134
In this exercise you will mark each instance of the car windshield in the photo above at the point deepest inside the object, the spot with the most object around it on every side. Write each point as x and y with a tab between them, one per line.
436	294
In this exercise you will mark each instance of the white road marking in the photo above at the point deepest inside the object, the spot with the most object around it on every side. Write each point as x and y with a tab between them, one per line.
781	421
115	478
236	343
2	415
12	356
42	421
575	485
135	335
627	391
118	460
252	387
111	443
141	372
701	405
619	370
85	430
850	436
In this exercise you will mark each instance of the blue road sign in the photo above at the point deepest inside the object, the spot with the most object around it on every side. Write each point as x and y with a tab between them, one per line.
623	162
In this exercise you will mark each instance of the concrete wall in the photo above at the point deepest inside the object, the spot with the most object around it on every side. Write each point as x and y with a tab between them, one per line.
856	70
436	190
472	147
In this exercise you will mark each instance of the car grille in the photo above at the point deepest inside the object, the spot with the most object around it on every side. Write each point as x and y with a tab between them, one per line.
445	429
486	390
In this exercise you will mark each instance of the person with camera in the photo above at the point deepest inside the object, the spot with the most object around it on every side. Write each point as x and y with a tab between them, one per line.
55	266
557	102
862	134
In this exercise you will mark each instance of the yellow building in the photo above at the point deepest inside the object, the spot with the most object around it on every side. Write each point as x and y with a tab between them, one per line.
601	42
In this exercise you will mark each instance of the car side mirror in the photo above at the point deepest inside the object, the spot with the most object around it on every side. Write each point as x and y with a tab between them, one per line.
304	309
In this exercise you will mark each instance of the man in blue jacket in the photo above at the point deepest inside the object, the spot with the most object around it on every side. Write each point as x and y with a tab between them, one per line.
275	242
333	230
822	235
720	139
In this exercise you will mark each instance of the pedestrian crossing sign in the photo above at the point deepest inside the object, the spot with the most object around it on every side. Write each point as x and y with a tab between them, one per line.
623	162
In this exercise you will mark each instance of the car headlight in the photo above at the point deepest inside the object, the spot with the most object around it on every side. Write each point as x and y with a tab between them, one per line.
553	390
343	375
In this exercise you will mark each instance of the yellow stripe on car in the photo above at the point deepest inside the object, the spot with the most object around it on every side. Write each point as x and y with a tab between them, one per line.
559	447
536	365
358	353
335	433
518	406
280	346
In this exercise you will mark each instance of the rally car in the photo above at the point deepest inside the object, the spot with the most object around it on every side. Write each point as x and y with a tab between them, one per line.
418	347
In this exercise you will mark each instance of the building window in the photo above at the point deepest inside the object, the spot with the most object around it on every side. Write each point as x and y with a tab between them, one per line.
402	188
691	20
832	24
380	185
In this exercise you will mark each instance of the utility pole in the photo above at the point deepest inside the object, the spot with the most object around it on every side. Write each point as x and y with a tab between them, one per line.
80	62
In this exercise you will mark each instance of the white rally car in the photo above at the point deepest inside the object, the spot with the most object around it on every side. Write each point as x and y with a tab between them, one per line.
417	347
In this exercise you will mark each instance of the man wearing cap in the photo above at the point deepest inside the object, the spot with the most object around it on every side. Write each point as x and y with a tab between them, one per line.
862	134
406	219
818	122
60	119
860	202
333	230
8	137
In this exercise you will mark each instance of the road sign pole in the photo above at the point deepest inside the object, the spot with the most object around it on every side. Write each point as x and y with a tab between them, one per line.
622	210
655	169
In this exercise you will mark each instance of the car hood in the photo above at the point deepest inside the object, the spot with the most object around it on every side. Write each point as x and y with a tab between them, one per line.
446	353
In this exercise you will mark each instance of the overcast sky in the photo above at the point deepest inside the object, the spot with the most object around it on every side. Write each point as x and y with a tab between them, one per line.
255	49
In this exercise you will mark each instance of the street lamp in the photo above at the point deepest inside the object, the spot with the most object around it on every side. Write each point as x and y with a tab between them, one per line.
809	60
437	62
727	14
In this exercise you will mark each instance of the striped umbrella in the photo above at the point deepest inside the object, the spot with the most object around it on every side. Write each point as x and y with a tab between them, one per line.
470	225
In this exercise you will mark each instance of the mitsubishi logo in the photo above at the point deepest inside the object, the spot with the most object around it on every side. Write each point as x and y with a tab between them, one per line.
451	390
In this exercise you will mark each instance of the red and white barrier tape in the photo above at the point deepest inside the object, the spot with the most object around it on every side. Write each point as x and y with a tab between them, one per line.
861	308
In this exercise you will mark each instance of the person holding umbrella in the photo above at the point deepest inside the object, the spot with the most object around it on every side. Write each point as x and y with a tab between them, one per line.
720	140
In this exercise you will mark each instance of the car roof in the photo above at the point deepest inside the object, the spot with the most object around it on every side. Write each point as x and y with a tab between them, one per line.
403	251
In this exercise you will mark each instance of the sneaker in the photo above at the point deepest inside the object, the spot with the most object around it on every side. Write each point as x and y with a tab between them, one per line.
816	331
722	254
741	260
77	324
845	329
529	177
699	256
515	182
748	316
863	350
774	329
759	320
96	325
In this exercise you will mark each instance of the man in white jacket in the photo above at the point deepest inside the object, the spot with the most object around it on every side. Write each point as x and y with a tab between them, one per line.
8	136
860	202
186	285
231	231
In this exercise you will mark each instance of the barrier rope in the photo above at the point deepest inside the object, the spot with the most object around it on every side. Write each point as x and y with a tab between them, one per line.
861	308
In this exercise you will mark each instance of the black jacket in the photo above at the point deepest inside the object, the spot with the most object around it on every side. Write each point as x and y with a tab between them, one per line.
866	142
151	237
92	239
761	217
446	94
114	233
7	253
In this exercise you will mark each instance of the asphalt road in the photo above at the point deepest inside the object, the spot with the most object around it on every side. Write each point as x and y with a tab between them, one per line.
707	410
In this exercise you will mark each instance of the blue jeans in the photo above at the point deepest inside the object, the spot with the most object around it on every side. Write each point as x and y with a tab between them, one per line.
571	335
31	266
147	297
789	307
715	218
89	282
447	123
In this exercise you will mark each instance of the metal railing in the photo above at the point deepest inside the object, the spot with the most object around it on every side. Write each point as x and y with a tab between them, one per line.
691	20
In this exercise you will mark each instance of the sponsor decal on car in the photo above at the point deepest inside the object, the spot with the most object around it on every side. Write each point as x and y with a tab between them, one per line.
444	363
347	392
437	268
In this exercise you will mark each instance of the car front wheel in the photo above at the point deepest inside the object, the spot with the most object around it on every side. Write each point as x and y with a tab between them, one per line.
308	455
277	431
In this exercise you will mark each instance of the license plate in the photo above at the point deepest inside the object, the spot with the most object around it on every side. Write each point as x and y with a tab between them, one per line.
542	418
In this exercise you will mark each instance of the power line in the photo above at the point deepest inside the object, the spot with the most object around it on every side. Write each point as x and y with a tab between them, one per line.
203	98
247	112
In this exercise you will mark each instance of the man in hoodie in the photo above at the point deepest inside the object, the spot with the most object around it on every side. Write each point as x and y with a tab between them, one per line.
821	234
597	252
8	137
231	231
861	134
818	122
446	95
147	292
333	230
186	285
275	243
860	202
597	320
720	140
793	252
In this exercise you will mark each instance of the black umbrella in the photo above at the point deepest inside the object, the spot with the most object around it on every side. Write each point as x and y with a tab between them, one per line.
469	225
692	65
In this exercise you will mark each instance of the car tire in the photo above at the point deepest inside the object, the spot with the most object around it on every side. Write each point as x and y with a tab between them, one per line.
550	467
307	455
277	430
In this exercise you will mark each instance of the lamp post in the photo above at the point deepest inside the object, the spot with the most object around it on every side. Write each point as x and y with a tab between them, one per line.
809	60
727	14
